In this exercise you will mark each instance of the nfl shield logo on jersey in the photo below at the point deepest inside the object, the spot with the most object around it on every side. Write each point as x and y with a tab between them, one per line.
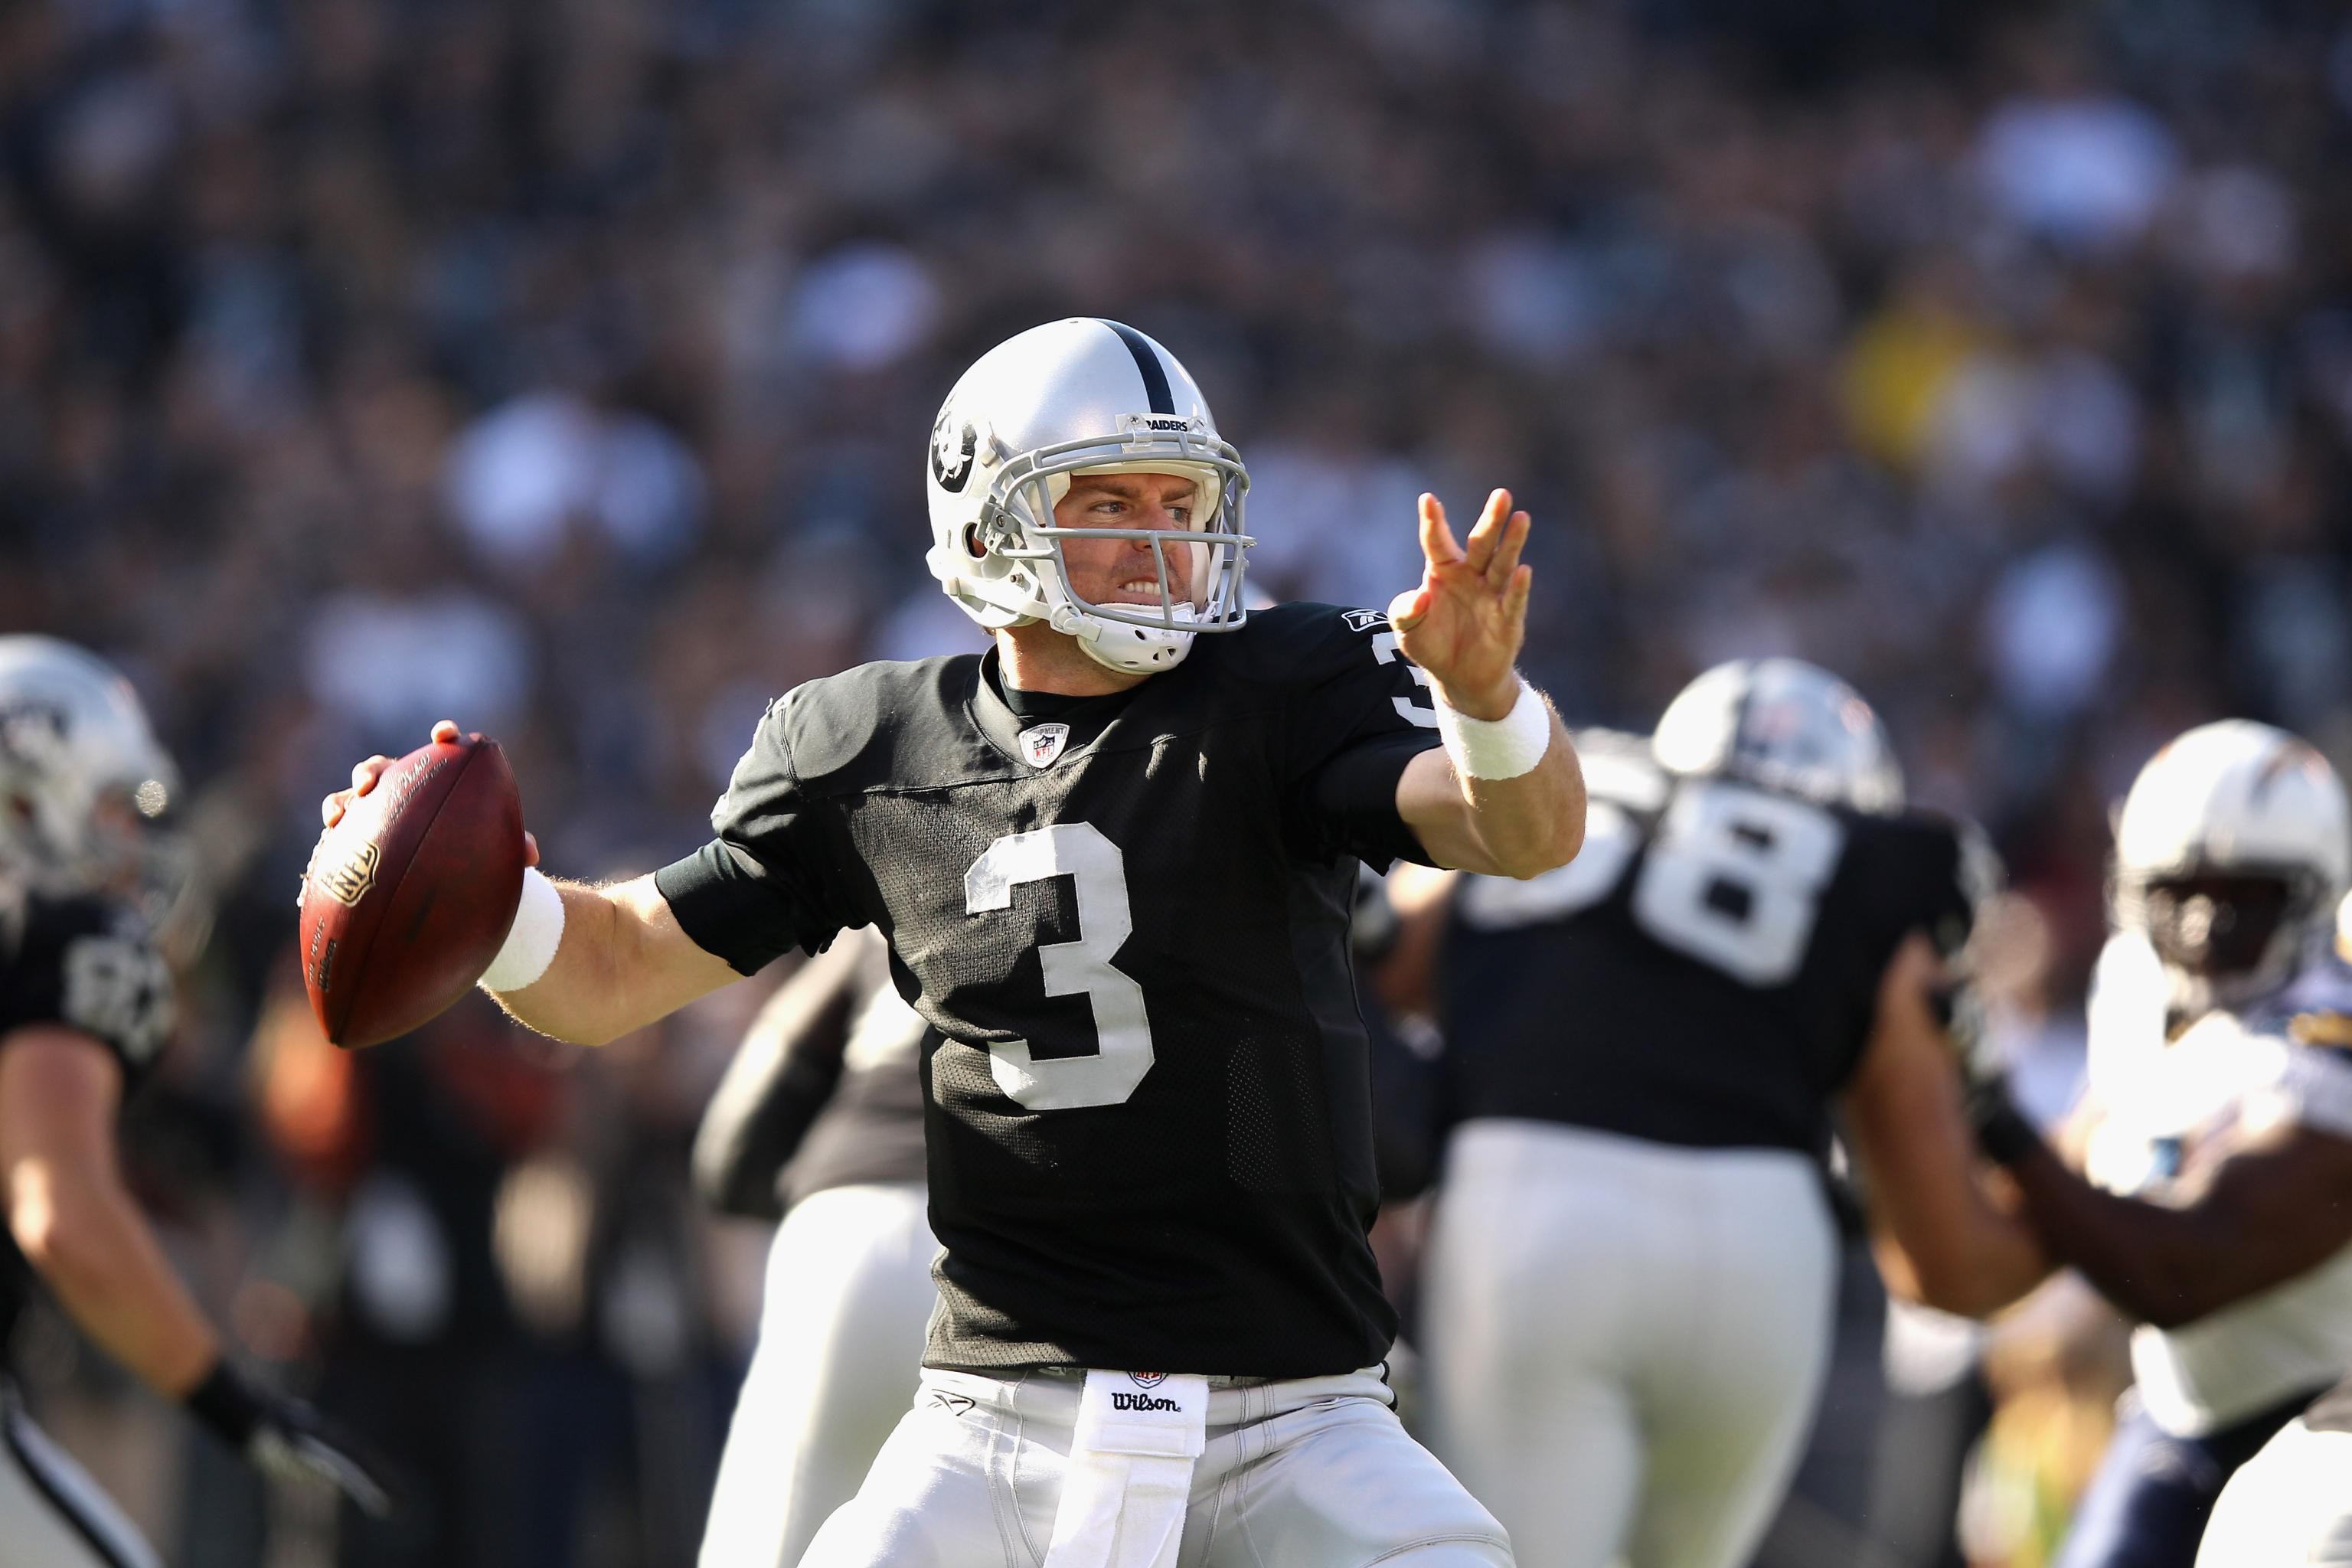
1147	1379
1041	744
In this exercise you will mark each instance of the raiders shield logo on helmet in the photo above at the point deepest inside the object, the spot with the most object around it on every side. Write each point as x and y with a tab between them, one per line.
951	451
1041	744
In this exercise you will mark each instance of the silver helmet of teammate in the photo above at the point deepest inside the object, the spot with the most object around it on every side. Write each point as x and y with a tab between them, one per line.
2231	851
1081	396
83	782
1786	725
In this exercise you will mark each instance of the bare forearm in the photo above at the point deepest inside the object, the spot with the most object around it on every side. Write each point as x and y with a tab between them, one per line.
2161	1266
1519	826
1943	1235
1530	823
93	1249
623	963
1990	1264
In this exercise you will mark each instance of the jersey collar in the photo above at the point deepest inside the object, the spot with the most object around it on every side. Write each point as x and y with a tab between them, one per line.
1088	720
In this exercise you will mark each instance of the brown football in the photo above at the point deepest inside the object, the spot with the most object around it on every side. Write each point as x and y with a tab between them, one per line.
409	897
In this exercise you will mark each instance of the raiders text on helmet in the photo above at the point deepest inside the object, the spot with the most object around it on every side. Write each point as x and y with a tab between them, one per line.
1070	398
1787	725
2231	850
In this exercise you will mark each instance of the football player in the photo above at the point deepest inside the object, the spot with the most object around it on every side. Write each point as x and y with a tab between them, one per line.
2217	1207
819	1123
1630	1293
85	1005
1113	859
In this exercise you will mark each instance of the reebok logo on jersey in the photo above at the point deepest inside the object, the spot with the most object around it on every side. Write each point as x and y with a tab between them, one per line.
1041	744
1365	620
1142	1401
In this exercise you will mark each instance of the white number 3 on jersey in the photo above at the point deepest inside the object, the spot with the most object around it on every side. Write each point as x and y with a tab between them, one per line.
1097	871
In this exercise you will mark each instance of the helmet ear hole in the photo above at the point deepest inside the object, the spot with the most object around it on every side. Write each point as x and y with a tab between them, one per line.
971	542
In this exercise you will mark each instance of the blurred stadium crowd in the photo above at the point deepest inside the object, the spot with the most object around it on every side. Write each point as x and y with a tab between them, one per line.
565	368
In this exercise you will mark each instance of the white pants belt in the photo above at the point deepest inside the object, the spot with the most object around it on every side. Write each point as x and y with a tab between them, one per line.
1130	1470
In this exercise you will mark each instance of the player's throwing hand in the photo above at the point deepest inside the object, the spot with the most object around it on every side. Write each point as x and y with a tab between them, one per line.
1465	621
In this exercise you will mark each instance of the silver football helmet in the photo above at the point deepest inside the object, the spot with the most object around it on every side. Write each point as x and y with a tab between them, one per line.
2231	851
1070	398
84	785
1787	725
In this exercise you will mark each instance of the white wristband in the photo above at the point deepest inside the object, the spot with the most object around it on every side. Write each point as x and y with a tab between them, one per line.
1497	748
530	945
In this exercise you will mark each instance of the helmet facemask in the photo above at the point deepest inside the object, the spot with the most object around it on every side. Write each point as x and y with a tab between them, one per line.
1016	526
1084	396
87	798
2225	937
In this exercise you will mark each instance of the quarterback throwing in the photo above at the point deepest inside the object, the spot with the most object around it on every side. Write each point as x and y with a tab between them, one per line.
1113	859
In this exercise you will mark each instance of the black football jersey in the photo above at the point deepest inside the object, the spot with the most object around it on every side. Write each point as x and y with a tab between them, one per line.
1706	972
1149	1113
88	965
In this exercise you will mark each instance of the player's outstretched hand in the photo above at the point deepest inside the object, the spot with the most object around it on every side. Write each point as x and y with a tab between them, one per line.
364	777
1465	621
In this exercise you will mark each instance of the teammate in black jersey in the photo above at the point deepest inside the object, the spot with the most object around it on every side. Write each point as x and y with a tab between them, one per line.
819	1123
1113	859
1630	1288
85	1005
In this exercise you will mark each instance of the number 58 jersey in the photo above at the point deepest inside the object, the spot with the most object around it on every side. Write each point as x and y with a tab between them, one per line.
1706	972
1147	1119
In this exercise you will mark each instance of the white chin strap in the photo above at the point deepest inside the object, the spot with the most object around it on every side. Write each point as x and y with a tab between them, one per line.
1133	650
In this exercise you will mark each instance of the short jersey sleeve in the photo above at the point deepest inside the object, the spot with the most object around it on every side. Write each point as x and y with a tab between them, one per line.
1359	711
91	967
758	888
1899	875
1927	874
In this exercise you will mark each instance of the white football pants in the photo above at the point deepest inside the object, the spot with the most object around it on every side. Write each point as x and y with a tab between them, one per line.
52	1515
1315	1473
1624	1340
2289	1506
849	1295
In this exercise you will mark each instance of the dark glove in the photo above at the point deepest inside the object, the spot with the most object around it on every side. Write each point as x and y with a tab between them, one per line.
286	1440
2002	1132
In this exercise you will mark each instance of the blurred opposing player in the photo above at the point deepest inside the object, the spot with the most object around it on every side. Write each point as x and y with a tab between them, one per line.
819	1122
1630	1290
1114	860
2221	1214
85	1005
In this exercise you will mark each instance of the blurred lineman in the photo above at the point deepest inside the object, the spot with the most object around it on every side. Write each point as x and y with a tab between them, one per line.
85	1006
819	1122
2221	1076
1630	1283
1114	860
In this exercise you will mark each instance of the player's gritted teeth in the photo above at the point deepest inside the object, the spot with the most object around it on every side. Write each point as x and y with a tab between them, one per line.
1127	570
